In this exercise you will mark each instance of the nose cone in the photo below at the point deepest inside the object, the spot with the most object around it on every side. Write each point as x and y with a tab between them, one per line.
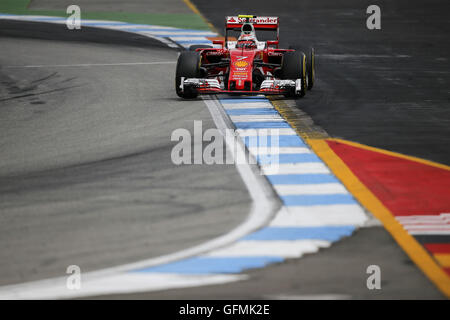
241	69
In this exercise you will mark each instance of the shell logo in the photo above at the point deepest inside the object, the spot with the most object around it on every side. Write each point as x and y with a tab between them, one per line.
241	64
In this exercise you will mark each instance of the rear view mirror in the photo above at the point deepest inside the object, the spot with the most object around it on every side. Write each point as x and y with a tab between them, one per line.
272	43
221	42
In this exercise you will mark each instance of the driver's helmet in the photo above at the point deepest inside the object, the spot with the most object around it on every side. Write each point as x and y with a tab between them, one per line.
247	39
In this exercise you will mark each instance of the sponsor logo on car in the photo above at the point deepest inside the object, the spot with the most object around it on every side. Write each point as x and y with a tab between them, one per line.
239	75
241	64
214	53
274	54
257	20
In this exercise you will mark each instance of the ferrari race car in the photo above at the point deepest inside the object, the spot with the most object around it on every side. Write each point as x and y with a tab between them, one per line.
243	65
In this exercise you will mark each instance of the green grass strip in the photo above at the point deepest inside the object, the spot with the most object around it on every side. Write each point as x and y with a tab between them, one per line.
184	21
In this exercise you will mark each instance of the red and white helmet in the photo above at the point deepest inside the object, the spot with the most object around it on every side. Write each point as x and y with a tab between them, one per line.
247	38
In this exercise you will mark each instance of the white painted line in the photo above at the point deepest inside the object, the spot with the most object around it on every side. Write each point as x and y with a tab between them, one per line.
279	150
317	188
285	249
265	132
292	168
118	283
253	105
440	217
160	39
429	232
329	215
93	64
423	225
257	118
423	221
186	45
428	227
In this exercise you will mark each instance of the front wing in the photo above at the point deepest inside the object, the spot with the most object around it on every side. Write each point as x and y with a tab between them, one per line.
268	87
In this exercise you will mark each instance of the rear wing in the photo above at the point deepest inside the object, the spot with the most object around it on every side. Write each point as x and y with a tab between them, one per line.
236	22
259	23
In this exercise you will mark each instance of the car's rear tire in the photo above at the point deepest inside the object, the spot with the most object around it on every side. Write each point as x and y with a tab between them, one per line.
293	67
188	66
311	68
198	46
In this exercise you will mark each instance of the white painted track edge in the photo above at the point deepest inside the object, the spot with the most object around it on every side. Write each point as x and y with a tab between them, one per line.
265	205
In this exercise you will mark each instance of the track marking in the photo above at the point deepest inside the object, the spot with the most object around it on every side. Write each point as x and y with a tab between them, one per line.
415	251
286	249
296	168
93	64
325	188
443	259
391	153
251	132
121	283
331	215
280	150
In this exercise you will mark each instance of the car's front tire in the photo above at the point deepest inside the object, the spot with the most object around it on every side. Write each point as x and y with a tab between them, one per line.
188	66
311	69
293	67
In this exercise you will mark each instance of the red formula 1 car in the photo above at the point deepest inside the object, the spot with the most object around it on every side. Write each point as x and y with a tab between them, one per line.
244	65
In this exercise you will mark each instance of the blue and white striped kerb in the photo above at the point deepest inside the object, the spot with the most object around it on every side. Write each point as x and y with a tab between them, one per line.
182	37
317	209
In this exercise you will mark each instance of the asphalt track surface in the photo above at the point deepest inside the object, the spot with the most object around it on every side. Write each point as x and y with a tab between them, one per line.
386	88
86	175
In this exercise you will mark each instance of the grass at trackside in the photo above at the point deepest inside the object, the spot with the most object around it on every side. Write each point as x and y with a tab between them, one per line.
188	21
13	5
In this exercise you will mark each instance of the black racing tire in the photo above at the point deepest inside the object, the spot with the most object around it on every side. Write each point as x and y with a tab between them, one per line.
310	66
188	66
293	67
198	46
